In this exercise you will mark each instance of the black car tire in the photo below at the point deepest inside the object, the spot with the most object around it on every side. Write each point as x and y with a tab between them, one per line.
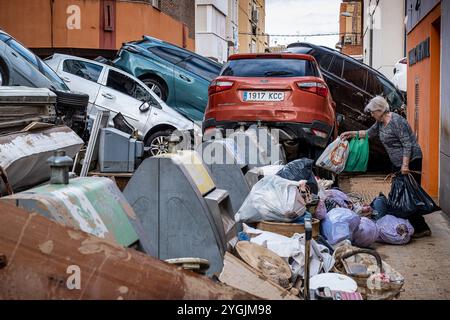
4	77
71	99
159	134
149	82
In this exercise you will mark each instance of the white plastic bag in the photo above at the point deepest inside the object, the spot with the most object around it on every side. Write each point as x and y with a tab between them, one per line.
292	250
272	199
334	157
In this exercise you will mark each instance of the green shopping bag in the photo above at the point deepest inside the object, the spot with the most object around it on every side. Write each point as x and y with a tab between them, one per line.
358	154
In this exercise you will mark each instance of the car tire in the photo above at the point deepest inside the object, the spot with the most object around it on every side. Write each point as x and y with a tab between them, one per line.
157	87
71	99
155	140
4	77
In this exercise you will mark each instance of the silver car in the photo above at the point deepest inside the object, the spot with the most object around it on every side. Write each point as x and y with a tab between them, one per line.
112	89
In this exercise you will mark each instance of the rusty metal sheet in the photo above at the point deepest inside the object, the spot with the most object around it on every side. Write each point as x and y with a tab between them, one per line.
41	259
23	155
94	205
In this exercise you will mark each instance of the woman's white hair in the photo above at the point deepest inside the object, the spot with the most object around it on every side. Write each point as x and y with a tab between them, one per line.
377	104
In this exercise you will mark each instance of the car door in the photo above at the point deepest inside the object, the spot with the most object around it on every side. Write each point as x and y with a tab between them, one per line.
355	77
121	93
82	76
193	75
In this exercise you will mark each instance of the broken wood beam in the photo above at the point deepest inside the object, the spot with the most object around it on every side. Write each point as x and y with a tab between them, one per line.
45	260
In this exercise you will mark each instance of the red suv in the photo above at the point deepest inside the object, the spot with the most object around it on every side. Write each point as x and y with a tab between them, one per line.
284	91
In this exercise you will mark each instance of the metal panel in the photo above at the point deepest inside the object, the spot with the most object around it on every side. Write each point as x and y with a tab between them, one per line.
173	211
222	162
192	162
444	186
42	256
23	155
93	205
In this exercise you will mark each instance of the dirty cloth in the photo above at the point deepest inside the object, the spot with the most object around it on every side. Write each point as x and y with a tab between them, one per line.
292	250
273	199
397	138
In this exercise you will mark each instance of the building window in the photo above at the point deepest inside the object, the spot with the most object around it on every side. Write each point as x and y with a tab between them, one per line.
156	4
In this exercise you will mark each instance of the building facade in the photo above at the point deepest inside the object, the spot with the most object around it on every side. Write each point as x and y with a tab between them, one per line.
252	36
384	34
233	27
428	47
350	25
96	27
211	29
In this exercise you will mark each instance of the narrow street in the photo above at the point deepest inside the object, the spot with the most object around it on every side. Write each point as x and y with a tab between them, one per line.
424	262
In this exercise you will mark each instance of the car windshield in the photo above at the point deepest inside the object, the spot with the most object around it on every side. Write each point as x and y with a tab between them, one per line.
53	77
57	82
269	67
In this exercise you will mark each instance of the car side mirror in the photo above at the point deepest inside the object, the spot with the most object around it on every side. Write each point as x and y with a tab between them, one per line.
144	107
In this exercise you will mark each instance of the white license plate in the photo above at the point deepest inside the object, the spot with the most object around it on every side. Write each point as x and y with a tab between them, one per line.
263	96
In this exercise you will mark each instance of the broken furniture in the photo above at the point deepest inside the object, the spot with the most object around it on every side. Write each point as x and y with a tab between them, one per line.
20	106
45	260
180	208
118	151
288	229
93	205
240	275
23	155
266	261
227	168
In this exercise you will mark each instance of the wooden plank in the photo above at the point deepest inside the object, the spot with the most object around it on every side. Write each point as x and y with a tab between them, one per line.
39	258
238	274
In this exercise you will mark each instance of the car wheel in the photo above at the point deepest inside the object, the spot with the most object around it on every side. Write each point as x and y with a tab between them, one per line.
3	75
158	142
157	87
71	99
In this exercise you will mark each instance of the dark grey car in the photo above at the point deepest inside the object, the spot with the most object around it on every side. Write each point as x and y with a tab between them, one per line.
352	84
21	67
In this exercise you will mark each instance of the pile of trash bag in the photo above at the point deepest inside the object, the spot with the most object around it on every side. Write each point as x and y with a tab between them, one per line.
273	199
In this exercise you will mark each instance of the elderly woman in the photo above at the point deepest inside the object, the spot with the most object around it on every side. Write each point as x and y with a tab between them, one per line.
401	145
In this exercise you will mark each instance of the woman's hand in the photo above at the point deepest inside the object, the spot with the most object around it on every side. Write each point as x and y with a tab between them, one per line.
346	135
404	169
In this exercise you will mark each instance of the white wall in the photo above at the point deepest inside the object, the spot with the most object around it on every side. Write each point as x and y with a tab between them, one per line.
211	29
388	34
232	25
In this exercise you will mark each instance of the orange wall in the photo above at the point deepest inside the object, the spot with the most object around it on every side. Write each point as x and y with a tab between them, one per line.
136	19
428	73
30	22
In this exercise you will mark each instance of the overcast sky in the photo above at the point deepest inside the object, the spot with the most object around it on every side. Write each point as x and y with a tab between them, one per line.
303	17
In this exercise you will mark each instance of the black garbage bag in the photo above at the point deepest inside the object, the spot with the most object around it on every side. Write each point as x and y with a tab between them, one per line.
300	169
407	198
